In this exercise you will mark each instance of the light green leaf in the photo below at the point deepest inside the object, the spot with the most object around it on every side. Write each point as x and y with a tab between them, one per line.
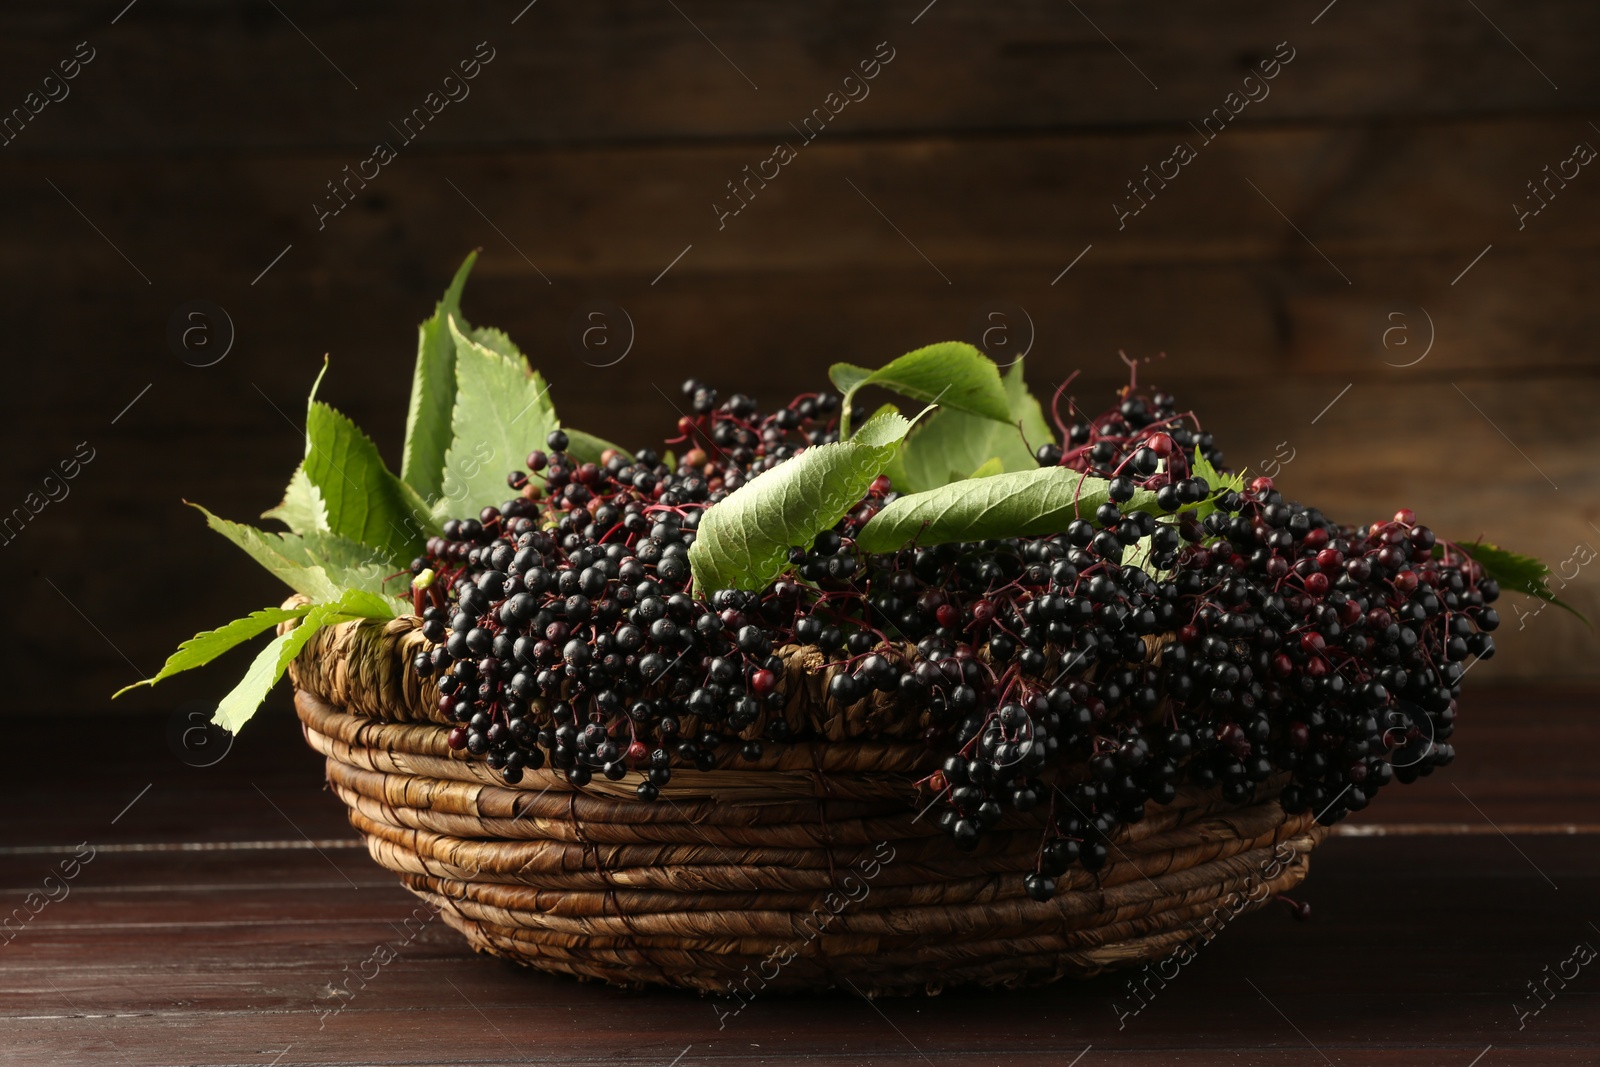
350	565
204	647
988	468
743	542
433	393
365	502
1514	571
1022	504
953	373
286	559
587	448
245	698
242	701
501	415
302	509
949	444
497	340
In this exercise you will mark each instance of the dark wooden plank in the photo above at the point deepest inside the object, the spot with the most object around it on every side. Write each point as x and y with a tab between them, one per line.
642	71
1380	966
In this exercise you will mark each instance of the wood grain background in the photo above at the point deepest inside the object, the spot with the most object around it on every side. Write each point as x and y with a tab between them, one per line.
1371	191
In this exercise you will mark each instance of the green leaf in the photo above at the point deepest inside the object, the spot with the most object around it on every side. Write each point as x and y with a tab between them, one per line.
302	509
953	373
285	558
365	502
204	647
497	340
950	444
743	542
1219	483
433	393
587	448
350	565
989	468
1021	504
501	415
318	564
244	699
1512	570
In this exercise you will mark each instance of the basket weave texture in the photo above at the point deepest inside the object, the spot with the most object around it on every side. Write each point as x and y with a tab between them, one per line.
808	869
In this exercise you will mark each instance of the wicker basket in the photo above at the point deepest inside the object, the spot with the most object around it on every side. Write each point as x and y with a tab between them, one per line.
808	869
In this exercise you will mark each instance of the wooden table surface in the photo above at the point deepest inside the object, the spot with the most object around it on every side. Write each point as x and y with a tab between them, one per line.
223	902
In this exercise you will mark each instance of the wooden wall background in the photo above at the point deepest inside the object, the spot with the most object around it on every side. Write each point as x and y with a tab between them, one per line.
1353	199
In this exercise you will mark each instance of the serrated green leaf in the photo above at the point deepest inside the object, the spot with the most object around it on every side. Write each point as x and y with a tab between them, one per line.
433	393
497	340
235	709
952	373
1021	504
1512	570
350	565
244	699
950	444
743	542
587	448
365	502
500	416
302	509
285	559
206	646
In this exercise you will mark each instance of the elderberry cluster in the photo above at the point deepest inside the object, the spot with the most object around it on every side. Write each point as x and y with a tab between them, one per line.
1178	634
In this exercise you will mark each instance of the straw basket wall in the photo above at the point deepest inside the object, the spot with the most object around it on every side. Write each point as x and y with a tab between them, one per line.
808	869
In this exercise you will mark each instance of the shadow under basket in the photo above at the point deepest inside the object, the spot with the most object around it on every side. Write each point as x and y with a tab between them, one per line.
808	869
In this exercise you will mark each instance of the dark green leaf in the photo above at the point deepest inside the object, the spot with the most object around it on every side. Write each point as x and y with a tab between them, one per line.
365	502
433	393
204	647
953	373
743	541
949	445
587	448
1513	571
1022	504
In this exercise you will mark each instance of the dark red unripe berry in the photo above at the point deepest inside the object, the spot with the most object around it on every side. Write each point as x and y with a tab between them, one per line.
762	682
